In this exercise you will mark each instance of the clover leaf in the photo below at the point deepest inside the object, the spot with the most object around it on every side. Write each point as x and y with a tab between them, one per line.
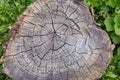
109	23
115	38
117	29
117	19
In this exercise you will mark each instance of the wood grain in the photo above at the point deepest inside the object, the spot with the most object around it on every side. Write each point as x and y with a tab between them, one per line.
56	40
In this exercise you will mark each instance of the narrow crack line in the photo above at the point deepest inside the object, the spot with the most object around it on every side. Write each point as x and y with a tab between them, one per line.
45	54
42	22
46	4
58	47
65	15
43	34
24	43
40	4
61	3
61	61
25	60
34	26
72	28
90	67
53	42
56	10
71	57
51	18
31	72
39	16
30	22
19	62
40	62
83	5
64	62
39	58
74	23
17	53
85	42
52	23
64	51
71	31
78	15
78	64
64	41
35	35
82	53
37	7
68	43
57	35
53	29
67	18
39	45
61	25
68	6
73	12
57	14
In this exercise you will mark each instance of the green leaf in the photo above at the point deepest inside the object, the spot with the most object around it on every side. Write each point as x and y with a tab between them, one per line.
1	68
0	63
117	29
115	38
117	3
117	10
9	79
111	74
1	77
2	28
117	19
1	50
118	51
109	23
110	3
93	2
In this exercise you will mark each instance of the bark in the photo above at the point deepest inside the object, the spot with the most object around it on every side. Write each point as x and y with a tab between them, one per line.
56	40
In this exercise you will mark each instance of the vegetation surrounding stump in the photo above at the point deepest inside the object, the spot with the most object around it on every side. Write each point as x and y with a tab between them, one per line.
56	40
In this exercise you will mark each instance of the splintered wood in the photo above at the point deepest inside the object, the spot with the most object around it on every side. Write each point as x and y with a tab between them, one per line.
56	40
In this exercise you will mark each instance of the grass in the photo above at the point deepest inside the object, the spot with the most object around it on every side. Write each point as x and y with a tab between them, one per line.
107	13
11	9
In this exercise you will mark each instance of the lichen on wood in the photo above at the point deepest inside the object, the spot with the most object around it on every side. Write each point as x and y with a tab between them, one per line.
56	40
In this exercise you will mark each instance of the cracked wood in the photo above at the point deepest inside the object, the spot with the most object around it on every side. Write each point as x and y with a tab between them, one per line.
56	40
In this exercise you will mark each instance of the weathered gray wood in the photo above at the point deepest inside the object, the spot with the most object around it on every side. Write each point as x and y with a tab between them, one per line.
56	40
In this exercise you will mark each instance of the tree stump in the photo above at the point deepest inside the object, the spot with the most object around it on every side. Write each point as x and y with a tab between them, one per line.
56	40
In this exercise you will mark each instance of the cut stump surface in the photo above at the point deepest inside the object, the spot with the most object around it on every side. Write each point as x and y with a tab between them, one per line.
56	40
